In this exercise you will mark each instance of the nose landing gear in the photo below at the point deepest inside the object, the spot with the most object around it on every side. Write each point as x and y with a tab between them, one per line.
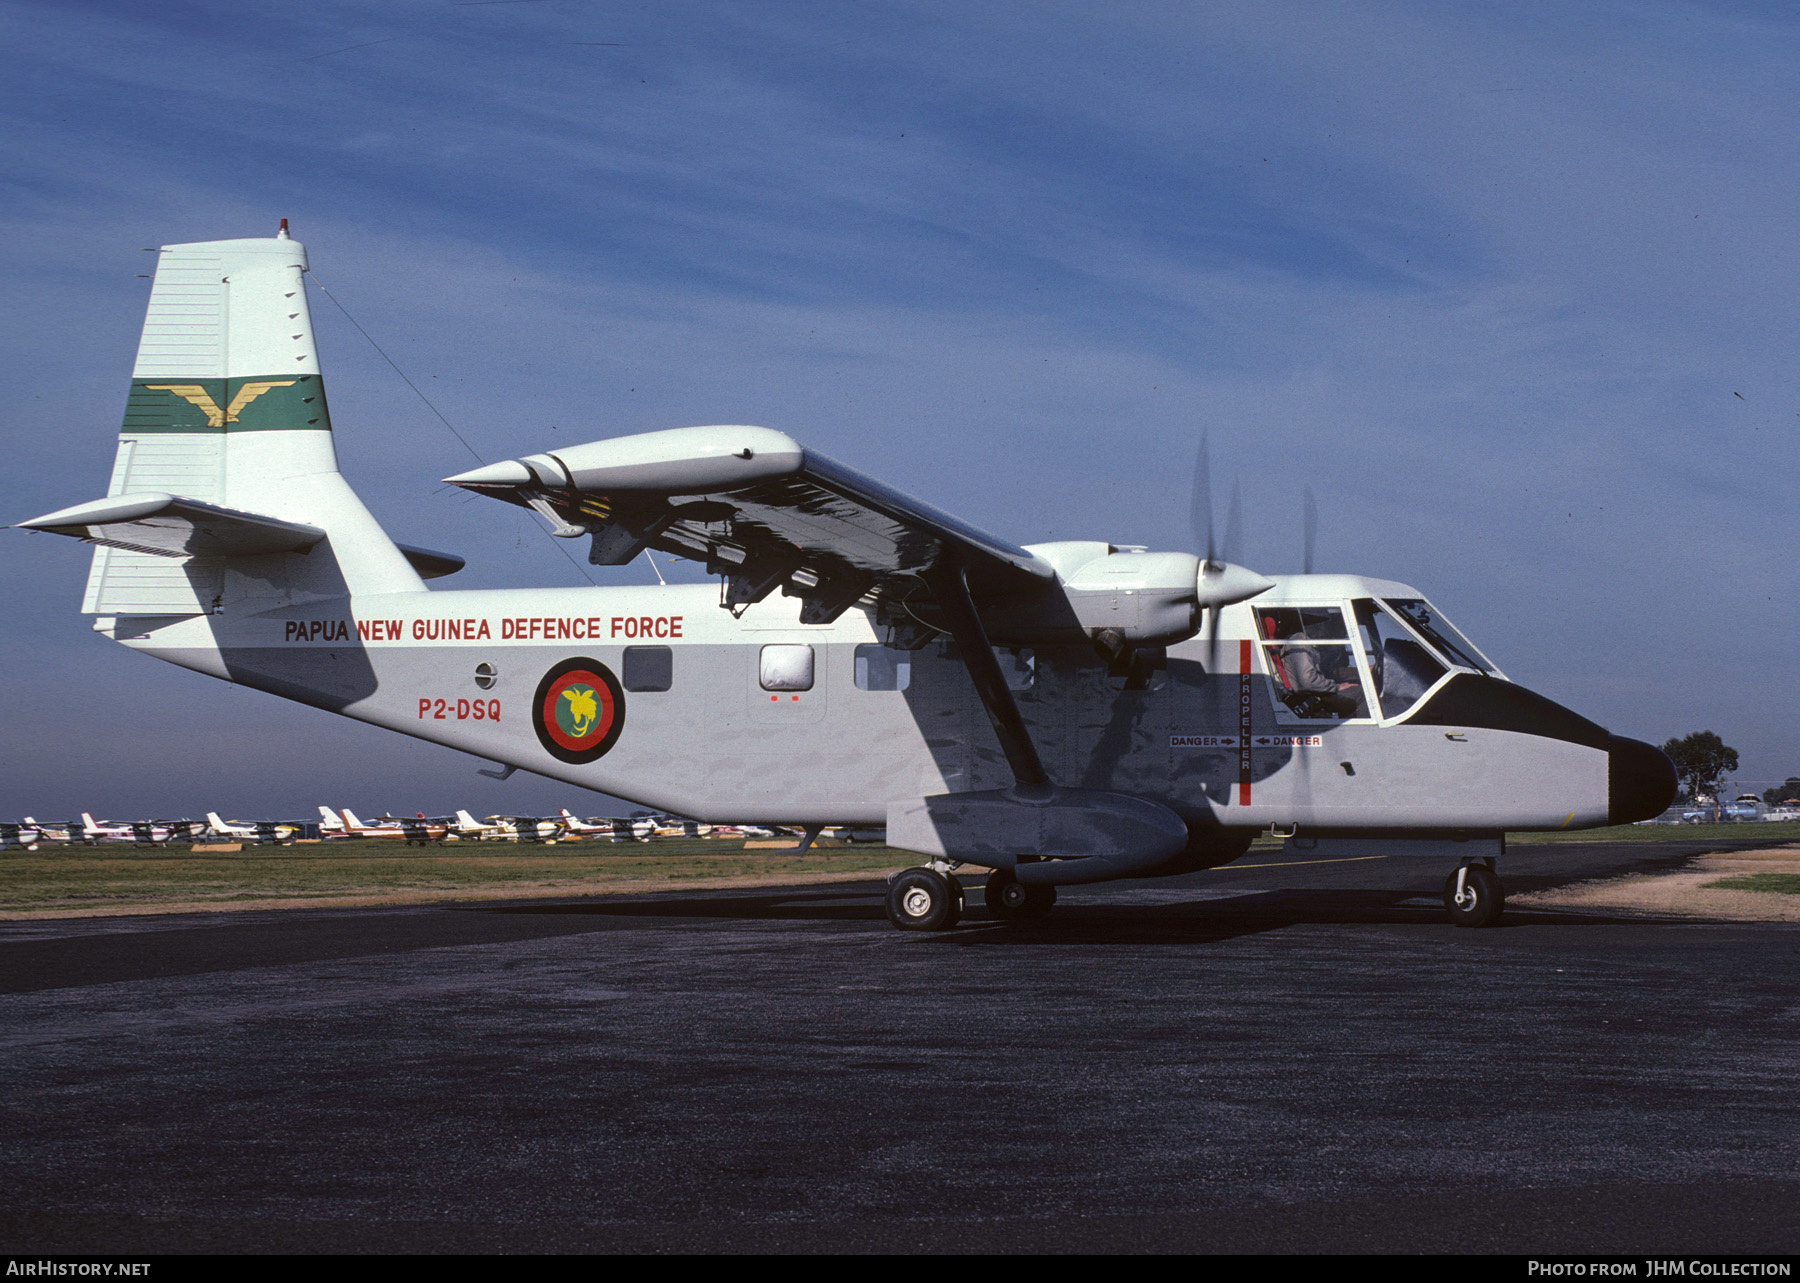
1474	896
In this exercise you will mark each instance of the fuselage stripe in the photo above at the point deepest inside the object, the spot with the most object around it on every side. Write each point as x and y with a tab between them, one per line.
1244	662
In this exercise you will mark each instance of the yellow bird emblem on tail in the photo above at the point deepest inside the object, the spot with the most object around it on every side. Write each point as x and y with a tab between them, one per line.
198	397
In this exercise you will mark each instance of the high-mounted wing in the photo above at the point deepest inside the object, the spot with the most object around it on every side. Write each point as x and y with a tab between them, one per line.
759	509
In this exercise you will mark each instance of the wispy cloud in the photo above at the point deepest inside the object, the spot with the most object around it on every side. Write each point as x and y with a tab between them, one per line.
1485	278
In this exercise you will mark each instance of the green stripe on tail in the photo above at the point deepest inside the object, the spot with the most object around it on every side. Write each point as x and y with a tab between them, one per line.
263	403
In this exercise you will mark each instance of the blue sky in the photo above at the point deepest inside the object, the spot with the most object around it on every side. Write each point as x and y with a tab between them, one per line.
1511	287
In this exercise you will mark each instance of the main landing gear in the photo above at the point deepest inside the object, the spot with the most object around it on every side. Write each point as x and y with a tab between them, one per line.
1474	896
1010	900
930	898
924	899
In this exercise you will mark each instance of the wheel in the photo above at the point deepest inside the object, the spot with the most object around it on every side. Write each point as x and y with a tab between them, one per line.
1011	900
1483	898
924	900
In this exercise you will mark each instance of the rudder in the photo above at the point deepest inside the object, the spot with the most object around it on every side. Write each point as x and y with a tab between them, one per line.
228	407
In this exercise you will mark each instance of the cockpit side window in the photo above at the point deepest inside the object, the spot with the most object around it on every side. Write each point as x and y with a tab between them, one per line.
1308	654
1403	669
1438	631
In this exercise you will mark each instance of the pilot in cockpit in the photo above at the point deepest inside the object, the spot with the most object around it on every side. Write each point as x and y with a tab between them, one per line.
1314	688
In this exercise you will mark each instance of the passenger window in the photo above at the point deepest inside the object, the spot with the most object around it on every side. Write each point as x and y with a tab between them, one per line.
787	666
649	668
1403	669
882	668
1308	652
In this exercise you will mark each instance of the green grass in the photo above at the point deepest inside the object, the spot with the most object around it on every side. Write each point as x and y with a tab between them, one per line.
122	877
1779	883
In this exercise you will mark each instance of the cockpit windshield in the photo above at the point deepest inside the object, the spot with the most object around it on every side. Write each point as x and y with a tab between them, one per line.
1402	668
1439	632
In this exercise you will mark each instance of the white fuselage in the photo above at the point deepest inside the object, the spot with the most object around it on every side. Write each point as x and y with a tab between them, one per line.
1206	737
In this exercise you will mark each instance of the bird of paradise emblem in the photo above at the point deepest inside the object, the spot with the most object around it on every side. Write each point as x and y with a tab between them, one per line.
579	710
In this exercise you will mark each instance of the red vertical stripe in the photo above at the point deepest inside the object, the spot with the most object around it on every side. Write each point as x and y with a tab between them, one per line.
1244	669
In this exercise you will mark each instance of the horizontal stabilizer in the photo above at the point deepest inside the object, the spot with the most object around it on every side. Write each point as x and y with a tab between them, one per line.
166	526
429	563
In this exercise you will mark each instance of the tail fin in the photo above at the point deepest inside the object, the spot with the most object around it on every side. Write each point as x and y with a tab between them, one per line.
218	825
87	824
350	820
227	407
466	820
329	819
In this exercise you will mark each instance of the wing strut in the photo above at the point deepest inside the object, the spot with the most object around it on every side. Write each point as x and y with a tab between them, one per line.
949	584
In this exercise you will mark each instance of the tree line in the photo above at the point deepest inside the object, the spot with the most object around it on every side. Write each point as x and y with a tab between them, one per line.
1703	760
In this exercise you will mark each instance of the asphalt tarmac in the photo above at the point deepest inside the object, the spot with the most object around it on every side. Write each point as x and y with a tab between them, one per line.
1276	1056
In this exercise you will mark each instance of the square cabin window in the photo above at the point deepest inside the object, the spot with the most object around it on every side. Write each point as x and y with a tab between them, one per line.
882	668
787	666
649	668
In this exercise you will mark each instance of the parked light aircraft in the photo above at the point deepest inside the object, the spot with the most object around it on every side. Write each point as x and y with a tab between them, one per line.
217	827
347	824
27	835
140	832
418	829
1064	713
344	823
575	826
524	828
262	831
467	826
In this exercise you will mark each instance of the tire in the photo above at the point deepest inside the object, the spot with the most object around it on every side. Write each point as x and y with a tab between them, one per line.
1485	898
1011	900
923	900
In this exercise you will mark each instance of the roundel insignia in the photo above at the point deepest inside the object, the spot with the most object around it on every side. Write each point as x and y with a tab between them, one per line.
578	711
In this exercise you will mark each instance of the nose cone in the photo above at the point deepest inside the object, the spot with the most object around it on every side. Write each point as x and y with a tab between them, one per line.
1640	781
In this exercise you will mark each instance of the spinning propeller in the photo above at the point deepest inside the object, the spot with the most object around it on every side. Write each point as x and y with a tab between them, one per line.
1220	581
1309	528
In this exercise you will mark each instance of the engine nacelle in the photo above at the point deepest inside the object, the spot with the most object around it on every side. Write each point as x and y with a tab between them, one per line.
1129	596
1148	598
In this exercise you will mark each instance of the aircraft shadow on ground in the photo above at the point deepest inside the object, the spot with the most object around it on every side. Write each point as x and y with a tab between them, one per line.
1183	922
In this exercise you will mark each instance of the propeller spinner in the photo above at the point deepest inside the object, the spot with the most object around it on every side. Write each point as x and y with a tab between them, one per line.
1220	582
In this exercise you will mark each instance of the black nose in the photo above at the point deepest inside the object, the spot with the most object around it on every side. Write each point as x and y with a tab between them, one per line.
1640	780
